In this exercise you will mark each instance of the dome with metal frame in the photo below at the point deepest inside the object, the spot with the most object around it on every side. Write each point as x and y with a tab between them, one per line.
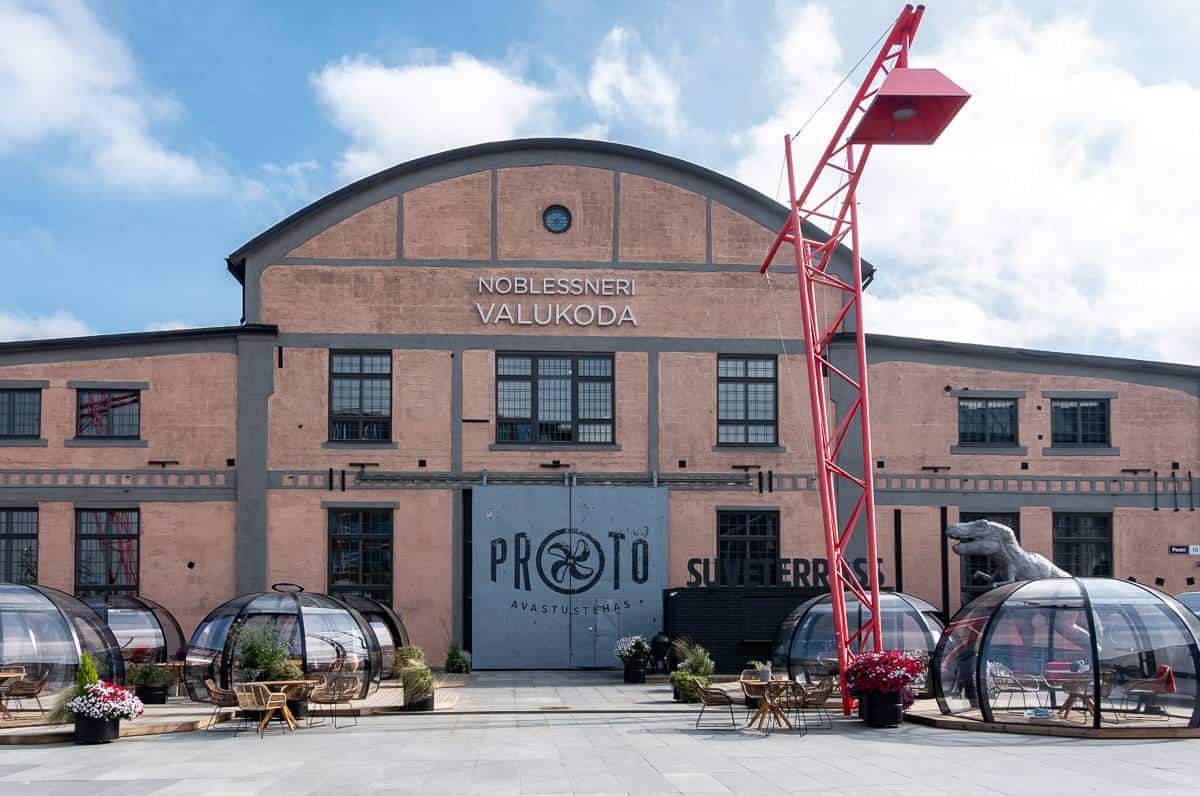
388	626
1089	652
146	631
326	637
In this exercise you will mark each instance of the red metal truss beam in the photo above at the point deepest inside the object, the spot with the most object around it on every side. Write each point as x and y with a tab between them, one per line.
843	161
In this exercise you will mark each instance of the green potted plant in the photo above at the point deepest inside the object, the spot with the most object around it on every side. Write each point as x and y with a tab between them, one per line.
457	661
263	656
98	707
151	683
419	687
686	685
406	656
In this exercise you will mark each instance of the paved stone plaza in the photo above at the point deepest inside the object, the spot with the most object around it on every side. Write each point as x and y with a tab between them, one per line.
598	754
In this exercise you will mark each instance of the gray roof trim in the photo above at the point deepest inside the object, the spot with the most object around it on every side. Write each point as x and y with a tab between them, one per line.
1034	357
236	261
134	339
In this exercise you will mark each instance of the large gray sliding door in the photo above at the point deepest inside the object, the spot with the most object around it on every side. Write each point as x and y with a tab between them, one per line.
560	573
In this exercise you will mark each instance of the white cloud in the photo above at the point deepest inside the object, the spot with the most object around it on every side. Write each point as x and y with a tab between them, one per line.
22	326
627	82
1056	210
394	113
167	326
65	77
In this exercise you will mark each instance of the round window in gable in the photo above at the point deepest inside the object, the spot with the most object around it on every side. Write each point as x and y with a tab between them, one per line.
556	219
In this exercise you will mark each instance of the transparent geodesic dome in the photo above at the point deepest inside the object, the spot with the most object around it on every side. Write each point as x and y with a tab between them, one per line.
327	638
804	644
386	623
1092	652
145	631
46	632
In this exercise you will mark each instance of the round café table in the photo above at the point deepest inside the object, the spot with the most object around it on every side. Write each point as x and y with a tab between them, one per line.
286	687
766	708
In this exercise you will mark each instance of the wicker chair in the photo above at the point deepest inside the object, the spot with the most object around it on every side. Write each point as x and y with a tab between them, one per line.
327	696
1002	680
221	699
814	698
715	697
29	689
257	698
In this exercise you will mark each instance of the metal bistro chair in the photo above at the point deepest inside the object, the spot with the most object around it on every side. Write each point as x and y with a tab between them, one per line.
333	692
715	697
257	698
29	689
221	699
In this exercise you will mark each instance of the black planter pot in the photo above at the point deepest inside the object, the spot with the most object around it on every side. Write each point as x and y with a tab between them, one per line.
152	694
881	709
298	707
420	704
635	671
91	731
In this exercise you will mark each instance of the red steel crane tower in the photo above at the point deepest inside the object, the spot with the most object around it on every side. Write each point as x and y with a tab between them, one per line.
894	105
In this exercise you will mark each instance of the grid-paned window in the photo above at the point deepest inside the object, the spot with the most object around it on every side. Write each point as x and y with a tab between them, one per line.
106	551
360	396
108	413
746	535
987	421
360	553
747	400
1079	422
20	413
971	585
1083	544
549	398
18	545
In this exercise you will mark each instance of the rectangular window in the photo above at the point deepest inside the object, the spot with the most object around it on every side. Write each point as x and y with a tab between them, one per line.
554	398
108	413
360	396
18	545
971	586
987	421
1079	422
1083	544
20	413
748	535
106	551
747	400
360	553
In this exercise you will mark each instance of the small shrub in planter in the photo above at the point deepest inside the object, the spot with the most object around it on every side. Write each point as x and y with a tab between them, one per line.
419	688
406	656
98	707
151	683
685	685
458	661
880	682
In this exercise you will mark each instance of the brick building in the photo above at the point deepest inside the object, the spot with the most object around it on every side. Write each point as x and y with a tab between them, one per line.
521	388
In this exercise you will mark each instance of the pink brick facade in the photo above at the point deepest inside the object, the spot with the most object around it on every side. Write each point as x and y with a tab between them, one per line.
399	266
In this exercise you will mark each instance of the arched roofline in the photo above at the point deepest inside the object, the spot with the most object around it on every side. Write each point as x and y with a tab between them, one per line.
763	209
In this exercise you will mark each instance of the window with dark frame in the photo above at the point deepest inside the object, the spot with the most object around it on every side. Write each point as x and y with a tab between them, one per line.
987	421
18	545
555	398
1083	544
107	551
20	414
1079	421
112	414
360	553
360	396
747	535
970	586
747	400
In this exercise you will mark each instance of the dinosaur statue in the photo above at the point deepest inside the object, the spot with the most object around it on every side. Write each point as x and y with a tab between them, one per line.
987	538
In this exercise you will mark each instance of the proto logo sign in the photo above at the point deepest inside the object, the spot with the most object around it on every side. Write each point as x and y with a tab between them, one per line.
570	561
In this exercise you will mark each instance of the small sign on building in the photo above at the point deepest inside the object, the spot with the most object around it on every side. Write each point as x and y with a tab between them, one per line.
1194	550
1178	549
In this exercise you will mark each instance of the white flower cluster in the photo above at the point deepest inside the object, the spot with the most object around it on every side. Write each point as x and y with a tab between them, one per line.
628	646
106	701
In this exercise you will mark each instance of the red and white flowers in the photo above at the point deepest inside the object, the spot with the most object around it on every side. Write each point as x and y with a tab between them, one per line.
106	701
884	672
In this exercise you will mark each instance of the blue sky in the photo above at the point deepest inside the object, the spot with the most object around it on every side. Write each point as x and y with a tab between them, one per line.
143	141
